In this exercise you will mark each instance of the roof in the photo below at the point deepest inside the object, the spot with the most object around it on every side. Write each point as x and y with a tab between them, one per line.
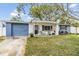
64	24
13	21
39	21
34	21
16	22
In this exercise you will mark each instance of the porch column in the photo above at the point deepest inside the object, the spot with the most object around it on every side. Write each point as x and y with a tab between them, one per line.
57	30
57	27
40	29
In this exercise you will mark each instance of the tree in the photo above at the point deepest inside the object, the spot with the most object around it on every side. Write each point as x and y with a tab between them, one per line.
47	11
19	12
63	14
43	12
36	12
15	19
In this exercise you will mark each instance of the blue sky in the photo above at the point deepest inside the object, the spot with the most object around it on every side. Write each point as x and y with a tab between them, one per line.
7	8
75	9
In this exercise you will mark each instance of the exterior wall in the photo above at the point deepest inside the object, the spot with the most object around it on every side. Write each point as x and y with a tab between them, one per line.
17	29
47	32
57	27
31	29
77	29
57	30
40	32
68	29
73	29
8	29
40	29
2	29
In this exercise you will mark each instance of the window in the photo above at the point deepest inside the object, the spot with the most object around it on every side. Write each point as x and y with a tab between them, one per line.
44	28
51	27
63	27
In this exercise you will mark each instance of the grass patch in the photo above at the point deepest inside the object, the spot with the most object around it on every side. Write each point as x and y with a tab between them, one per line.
61	45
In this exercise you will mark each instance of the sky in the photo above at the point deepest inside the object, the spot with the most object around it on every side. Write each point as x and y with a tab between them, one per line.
75	10
7	10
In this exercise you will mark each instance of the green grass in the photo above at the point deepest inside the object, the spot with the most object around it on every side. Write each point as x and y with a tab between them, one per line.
62	45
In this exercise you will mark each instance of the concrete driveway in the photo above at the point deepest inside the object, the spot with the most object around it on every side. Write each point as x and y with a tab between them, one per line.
13	47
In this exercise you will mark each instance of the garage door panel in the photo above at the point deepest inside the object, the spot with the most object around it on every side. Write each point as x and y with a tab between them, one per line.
20	29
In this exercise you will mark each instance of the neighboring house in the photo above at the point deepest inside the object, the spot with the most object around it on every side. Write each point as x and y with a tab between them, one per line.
36	27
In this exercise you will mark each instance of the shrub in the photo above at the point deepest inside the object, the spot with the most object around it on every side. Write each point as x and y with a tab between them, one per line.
31	35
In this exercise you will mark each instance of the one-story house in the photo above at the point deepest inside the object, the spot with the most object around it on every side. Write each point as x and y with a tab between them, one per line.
16	28
51	28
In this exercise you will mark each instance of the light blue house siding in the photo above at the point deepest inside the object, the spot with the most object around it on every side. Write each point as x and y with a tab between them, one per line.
8	29
17	29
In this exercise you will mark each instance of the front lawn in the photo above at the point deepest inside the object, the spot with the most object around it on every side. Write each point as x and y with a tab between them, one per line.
62	45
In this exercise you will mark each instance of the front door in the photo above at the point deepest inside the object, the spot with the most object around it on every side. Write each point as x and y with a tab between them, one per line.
36	29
